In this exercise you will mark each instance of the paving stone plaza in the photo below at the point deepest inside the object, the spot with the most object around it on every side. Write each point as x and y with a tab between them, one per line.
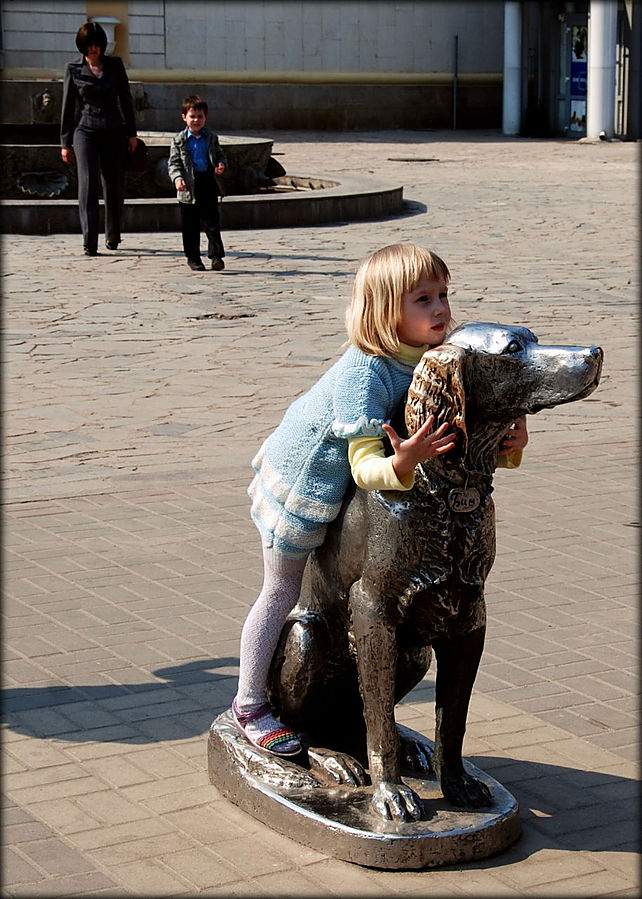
135	394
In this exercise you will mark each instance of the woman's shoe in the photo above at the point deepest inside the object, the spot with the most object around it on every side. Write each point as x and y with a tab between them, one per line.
273	736
112	244
89	252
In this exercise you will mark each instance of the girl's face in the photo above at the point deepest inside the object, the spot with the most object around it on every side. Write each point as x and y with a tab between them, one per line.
425	313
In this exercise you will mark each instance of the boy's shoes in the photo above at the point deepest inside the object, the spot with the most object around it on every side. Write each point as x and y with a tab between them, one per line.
88	252
217	264
196	265
112	244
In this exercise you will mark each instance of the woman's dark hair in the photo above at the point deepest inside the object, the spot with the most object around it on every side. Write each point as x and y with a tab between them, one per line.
91	33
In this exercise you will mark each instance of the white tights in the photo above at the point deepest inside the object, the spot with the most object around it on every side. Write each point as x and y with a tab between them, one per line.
263	625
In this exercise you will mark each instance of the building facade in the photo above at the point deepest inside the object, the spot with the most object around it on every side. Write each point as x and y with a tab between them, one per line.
336	64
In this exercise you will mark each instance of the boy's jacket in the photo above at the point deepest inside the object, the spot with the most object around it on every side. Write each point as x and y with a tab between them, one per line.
180	163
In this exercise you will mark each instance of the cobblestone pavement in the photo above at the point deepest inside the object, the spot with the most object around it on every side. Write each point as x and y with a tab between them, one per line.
135	394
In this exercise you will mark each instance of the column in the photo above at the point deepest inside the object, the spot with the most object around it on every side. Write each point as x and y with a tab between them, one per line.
602	41
512	95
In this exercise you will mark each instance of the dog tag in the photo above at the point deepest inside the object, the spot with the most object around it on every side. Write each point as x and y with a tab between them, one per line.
463	499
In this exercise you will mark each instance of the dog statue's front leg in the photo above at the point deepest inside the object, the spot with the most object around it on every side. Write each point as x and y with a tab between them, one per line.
457	663
375	643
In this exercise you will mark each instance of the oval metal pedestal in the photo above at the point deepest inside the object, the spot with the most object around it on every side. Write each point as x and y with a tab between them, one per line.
339	821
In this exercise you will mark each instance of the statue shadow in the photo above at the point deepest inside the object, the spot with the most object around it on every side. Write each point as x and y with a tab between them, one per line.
566	808
560	807
180	705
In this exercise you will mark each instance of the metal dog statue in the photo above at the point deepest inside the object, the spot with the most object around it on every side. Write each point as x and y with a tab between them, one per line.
403	572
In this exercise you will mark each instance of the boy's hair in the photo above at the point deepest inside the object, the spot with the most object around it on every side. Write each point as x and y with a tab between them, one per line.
91	33
194	102
374	313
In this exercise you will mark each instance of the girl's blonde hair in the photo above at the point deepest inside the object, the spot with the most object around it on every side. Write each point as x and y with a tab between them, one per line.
375	310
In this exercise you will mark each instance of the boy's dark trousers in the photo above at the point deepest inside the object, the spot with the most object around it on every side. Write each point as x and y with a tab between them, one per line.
205	208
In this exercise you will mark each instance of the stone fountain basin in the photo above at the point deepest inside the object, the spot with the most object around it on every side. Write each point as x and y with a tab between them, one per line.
32	160
40	192
355	197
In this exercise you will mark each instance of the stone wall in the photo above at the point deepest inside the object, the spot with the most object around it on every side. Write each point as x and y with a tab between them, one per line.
234	108
147	31
265	35
334	35
40	33
334	107
332	64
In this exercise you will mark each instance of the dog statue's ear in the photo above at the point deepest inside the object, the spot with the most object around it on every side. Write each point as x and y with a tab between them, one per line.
437	389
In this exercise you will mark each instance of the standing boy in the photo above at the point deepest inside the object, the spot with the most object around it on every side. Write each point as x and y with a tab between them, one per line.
196	160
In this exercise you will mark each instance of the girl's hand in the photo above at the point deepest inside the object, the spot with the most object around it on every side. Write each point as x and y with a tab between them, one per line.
424	444
220	168
179	184
67	154
515	438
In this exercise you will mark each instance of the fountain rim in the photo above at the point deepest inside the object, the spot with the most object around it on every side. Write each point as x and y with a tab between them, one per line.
354	198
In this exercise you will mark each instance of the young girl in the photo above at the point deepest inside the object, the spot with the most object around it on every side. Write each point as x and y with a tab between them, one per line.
334	432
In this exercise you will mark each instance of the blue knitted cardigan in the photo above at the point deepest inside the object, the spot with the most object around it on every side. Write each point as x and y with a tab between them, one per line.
302	469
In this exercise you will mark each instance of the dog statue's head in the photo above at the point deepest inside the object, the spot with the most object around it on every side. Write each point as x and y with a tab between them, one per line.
487	375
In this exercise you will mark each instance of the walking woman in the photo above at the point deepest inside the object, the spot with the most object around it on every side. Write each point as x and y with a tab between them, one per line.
98	123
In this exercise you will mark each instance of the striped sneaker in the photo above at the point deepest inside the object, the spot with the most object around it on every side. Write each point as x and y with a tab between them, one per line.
262	730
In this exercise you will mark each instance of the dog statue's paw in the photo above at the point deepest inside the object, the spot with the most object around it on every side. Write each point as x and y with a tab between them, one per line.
396	802
341	767
415	757
465	791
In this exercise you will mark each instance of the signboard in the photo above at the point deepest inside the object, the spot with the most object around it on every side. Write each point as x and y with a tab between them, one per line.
578	115
579	60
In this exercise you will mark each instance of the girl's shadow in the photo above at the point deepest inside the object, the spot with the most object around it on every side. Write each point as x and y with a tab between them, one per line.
181	705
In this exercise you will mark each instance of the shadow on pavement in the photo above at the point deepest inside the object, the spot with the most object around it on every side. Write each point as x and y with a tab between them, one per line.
585	810
561	807
136	713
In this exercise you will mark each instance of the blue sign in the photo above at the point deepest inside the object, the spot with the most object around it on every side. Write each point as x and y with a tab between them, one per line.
578	78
